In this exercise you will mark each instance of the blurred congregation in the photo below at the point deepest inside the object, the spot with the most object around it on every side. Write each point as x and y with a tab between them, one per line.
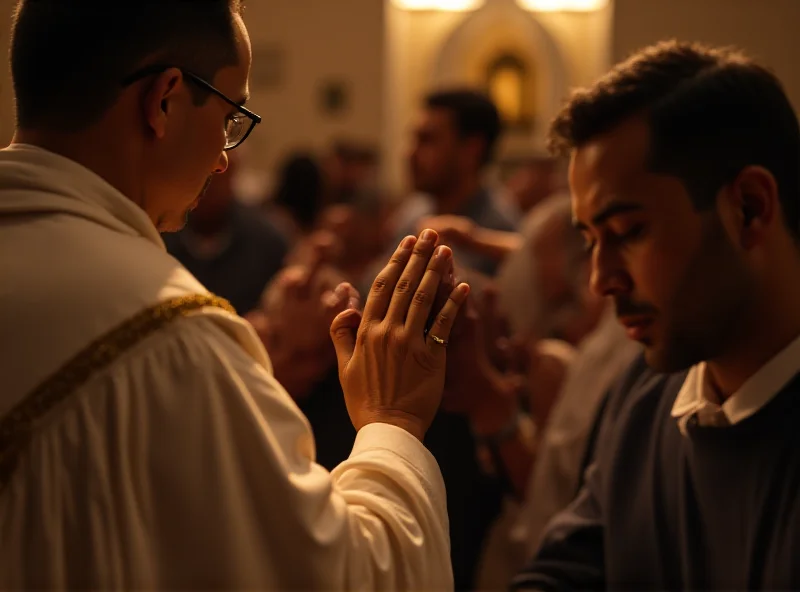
459	148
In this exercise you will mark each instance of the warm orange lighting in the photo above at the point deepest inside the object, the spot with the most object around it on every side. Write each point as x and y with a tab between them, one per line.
505	88
563	5
446	5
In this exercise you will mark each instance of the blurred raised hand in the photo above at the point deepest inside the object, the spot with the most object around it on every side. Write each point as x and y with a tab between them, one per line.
452	230
294	320
320	247
476	386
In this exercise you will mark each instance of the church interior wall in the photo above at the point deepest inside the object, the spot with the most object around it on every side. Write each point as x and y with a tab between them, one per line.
383	59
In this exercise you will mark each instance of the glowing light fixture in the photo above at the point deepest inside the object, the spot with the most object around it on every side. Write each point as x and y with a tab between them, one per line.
447	5
563	5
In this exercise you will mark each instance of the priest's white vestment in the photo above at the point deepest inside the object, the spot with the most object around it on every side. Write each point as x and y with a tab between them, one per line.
144	442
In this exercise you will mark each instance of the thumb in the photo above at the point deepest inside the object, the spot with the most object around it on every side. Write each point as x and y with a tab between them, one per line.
343	334
345	296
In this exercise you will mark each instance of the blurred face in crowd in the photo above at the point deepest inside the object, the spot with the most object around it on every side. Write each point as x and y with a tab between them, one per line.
550	266
349	173
532	182
440	157
188	139
570	310
676	275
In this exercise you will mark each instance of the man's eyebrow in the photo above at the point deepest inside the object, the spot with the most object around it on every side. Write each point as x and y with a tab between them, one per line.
615	208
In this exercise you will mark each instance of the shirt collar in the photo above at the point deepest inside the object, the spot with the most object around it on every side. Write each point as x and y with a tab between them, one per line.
697	392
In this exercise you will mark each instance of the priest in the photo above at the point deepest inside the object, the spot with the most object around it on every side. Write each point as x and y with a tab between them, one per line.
144	442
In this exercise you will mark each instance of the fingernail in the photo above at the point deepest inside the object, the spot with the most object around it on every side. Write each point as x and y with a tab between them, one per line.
428	235
443	253
353	304
330	299
408	242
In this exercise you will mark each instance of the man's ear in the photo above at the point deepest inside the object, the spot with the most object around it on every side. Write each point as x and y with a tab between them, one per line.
156	102
754	204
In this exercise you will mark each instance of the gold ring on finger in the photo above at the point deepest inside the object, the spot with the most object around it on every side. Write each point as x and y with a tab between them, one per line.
438	340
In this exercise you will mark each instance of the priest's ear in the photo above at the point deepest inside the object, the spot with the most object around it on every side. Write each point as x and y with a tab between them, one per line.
158	101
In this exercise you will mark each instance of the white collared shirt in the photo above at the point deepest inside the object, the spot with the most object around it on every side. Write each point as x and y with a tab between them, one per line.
698	398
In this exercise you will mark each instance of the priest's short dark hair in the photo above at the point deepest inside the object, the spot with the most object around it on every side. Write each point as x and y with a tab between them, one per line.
69	57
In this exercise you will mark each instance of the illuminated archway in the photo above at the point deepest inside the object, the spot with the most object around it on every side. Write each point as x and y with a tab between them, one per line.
522	51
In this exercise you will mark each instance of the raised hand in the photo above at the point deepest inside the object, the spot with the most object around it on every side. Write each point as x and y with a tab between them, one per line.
294	320
478	382
391	370
452	230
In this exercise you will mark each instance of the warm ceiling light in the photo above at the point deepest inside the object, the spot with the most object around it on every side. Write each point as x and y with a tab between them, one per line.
449	5
563	5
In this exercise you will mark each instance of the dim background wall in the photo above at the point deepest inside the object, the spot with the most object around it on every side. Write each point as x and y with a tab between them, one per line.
318	42
385	60
6	93
766	29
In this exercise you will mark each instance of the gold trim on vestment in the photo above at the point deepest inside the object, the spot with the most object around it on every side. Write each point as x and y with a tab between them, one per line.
18	425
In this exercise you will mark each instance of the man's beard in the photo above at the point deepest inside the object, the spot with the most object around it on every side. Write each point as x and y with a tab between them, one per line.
708	309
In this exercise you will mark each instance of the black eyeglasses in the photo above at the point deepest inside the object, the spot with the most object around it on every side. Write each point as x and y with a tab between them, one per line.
237	126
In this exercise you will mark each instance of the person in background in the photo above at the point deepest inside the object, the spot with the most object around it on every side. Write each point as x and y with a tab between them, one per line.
685	175
546	402
295	330
298	197
544	289
144	441
351	171
540	356
463	234
453	142
354	210
535	179
543	284
226	245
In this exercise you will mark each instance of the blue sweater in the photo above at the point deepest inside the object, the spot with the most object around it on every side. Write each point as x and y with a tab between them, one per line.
717	509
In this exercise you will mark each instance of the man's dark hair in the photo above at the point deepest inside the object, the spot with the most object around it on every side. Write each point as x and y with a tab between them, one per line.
69	57
711	113
300	188
355	151
474	115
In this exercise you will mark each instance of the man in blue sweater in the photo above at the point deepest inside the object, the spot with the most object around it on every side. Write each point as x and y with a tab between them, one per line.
685	174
